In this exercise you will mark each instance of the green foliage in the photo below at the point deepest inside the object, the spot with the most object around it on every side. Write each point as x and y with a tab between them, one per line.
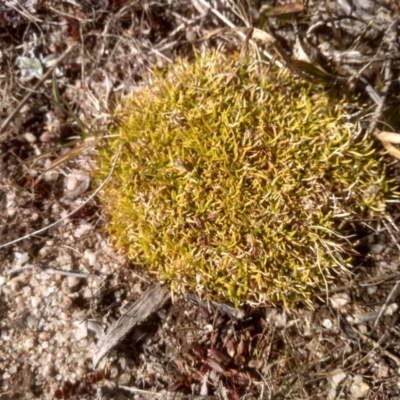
246	192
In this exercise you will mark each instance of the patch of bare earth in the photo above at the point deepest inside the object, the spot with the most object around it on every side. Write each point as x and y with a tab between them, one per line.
62	287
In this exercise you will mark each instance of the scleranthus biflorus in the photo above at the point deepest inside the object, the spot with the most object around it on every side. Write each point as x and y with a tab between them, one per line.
245	192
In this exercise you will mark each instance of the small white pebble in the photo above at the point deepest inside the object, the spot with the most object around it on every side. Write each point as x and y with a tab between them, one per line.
124	379
327	323
30	137
82	229
51	176
358	388
383	264
12	370
71	183
87	293
280	320
34	217
122	363
113	372
332	394
363	329
95	327
73	281
31	322
337	377
391	309
28	344
2	280
339	300
372	290
20	259
35	301
90	256
377	248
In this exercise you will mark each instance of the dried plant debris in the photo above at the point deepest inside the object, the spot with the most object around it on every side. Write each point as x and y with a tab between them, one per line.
62	290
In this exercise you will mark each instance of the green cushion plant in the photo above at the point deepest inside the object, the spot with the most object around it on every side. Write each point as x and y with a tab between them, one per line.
246	192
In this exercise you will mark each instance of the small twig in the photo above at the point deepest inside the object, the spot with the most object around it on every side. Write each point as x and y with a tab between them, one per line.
231	25
170	395
53	271
35	87
388	77
383	308
94	194
376	345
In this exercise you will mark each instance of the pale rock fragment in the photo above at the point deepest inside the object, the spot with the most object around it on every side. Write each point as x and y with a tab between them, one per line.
73	281
337	377
377	248
358	389
391	309
339	300
82	229
90	256
332	394
124	379
327	323
20	259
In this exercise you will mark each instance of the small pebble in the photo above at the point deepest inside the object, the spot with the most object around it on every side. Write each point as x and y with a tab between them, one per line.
73	281
327	323
332	394
358	388
30	137
12	370
391	309
372	290
90	256
377	248
339	300
124	379
337	377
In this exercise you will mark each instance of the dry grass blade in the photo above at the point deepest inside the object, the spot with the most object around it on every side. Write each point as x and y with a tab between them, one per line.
36	86
92	196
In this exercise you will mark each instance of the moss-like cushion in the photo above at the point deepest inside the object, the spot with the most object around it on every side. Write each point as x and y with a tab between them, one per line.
246	192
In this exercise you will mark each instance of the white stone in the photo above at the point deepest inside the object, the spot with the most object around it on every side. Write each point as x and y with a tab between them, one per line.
82	229
21	259
31	322
332	394
30	137
377	248
280	320
327	323
73	281
337	377
372	290
12	370
358	388
391	309
339	300
51	176
90	256
71	183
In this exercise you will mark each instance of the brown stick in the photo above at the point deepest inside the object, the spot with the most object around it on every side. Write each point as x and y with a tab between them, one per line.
150	302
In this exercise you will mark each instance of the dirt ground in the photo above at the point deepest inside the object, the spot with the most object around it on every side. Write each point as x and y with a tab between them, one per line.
62	285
